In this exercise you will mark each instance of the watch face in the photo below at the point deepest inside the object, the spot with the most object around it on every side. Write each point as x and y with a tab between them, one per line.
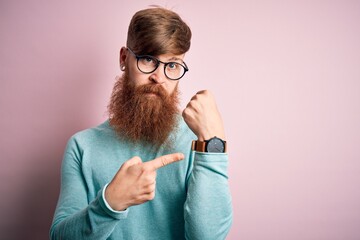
215	145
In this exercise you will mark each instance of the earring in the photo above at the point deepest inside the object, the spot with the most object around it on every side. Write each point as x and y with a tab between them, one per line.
122	68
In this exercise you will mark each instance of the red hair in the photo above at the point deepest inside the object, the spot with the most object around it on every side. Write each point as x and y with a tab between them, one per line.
157	31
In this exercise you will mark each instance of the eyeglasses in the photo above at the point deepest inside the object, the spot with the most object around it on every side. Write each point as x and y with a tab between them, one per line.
148	64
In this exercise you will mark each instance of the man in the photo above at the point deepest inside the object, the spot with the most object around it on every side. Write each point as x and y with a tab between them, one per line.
140	175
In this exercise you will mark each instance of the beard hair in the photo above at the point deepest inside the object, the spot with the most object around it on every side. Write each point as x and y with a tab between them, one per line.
145	113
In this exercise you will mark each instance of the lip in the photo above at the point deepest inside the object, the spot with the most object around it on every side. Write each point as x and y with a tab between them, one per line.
151	94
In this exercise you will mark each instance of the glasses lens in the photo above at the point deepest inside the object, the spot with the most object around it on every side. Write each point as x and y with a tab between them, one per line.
147	64
174	70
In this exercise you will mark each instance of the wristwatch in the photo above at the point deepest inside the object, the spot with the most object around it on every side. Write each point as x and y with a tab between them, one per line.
215	145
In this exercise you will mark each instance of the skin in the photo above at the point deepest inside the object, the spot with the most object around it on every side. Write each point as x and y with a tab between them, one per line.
135	181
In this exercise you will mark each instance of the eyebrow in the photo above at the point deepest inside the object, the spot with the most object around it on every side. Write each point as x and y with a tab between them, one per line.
175	59
168	60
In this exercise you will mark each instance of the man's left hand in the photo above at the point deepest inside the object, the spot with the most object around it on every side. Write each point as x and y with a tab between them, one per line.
202	116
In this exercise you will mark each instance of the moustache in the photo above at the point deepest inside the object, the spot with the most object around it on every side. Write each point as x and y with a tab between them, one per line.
154	89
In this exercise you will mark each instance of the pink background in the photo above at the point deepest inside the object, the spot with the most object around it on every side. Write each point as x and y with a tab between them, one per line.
286	75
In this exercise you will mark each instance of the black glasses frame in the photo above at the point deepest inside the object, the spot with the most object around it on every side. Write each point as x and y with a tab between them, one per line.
138	57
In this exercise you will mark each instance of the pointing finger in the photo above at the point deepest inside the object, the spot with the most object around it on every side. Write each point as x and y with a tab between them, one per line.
164	160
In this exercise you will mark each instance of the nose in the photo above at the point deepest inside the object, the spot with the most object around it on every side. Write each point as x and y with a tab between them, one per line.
158	76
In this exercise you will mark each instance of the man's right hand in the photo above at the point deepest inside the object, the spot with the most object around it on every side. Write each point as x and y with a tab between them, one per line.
135	182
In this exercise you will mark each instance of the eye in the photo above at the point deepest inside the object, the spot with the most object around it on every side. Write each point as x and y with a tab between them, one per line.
148	60
173	65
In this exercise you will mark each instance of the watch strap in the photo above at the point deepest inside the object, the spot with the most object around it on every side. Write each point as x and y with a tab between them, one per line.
200	146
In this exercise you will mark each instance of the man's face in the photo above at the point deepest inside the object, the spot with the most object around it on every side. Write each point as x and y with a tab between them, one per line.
144	107
157	77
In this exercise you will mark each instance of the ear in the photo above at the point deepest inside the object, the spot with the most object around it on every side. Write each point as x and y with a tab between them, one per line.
123	55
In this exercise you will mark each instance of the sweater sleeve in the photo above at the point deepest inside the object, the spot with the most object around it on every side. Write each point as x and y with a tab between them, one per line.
208	209
75	216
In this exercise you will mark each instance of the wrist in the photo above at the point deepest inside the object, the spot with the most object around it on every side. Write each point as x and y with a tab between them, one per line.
206	136
110	203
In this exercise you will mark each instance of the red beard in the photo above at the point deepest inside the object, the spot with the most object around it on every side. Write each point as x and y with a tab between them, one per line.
145	113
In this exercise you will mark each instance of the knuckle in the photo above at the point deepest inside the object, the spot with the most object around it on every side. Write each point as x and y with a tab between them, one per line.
152	195
139	199
192	103
149	178
136	159
206	92
201	92
147	197
147	189
186	112
192	106
150	188
126	164
164	161
132	161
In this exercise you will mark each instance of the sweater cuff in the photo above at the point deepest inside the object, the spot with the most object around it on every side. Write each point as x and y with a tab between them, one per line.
212	162
211	157
106	207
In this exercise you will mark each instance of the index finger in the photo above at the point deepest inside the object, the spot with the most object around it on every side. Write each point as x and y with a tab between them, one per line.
164	160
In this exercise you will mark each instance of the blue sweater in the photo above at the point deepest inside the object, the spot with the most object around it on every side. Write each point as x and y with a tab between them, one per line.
192	196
